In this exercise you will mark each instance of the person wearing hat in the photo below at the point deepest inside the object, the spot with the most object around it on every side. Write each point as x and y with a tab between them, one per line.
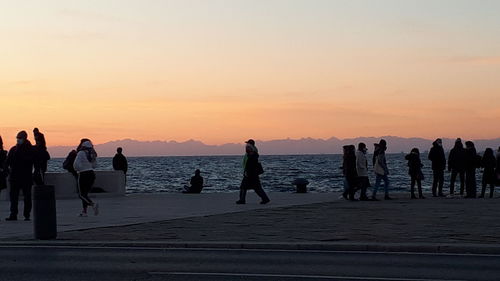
456	165
196	183
438	159
20	162
251	171
381	170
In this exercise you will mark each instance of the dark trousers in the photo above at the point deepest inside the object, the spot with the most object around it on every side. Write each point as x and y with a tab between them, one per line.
418	182
85	181
15	188
470	183
437	182
454	174
252	184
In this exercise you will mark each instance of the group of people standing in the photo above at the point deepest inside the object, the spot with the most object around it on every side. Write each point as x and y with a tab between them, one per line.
462	162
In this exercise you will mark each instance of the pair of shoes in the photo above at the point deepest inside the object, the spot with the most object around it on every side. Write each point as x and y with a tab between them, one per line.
364	199
441	195
239	202
481	196
95	207
421	197
83	215
27	219
353	199
413	196
387	197
11	218
263	202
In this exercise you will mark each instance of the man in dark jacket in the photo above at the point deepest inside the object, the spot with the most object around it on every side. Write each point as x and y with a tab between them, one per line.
456	165
20	162
120	161
438	159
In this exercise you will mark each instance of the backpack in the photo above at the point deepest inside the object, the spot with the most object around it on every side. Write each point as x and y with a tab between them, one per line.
70	159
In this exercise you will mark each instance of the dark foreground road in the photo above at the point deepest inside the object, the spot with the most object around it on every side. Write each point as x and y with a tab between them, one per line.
49	263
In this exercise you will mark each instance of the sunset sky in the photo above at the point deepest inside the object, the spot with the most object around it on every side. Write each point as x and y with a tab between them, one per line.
224	71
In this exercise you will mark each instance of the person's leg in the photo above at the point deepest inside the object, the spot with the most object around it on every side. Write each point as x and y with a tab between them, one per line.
492	189
434	183
441	183
84	185
462	182
420	193
386	186
453	178
346	189
261	193
483	189
412	187
363	182
378	178
14	199
243	191
27	200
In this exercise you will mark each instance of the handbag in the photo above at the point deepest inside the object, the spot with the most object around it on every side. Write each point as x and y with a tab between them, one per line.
259	169
378	169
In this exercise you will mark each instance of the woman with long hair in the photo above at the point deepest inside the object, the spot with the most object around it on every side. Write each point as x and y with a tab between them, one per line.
85	163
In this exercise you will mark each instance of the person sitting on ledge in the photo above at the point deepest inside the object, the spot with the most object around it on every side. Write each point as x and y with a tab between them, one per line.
196	183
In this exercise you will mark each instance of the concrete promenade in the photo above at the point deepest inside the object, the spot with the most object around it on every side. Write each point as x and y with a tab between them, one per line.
144	208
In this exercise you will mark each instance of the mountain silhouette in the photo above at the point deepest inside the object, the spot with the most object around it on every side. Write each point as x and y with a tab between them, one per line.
273	147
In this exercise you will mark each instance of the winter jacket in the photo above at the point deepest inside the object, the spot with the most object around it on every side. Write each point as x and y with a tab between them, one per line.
120	163
349	166
415	165
361	164
20	162
82	162
471	159
456	159
489	164
436	155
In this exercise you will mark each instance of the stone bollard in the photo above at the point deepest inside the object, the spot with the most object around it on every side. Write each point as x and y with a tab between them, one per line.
301	185
44	212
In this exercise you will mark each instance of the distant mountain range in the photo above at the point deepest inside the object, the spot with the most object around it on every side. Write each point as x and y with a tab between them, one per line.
273	147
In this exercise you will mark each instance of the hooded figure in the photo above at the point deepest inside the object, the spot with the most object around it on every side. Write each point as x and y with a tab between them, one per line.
84	165
488	162
20	163
415	172
471	164
251	171
438	159
456	165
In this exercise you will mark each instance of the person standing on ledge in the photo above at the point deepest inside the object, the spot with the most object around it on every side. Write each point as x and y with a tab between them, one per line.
438	159
415	172
456	165
381	170
42	156
120	161
488	162
20	162
471	164
85	163
251	171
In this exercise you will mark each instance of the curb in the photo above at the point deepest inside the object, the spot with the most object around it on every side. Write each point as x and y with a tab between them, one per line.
338	247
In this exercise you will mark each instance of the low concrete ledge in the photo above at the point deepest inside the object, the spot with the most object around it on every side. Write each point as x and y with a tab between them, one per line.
111	182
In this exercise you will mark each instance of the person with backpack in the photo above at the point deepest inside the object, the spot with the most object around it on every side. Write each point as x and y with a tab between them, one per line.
68	163
85	163
438	159
381	170
252	169
415	171
488	162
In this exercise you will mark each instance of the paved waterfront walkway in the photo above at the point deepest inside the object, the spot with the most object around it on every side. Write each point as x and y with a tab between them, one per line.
144	208
432	220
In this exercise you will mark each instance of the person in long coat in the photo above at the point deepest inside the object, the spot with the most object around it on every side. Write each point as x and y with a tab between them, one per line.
438	159
415	171
488	163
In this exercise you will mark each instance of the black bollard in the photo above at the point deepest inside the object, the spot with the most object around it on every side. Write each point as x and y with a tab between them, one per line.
44	212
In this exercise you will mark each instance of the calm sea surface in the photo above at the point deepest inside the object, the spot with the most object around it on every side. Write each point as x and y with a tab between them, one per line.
224	173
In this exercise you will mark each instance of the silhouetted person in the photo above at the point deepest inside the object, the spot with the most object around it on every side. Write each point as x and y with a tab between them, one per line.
456	165
42	157
349	171
471	164
196	183
345	194
489	163
252	169
415	171
85	163
438	159
120	161
497	170
381	170
20	163
3	166
362	170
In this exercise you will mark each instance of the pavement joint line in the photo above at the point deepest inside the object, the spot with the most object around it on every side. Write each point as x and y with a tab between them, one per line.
328	277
